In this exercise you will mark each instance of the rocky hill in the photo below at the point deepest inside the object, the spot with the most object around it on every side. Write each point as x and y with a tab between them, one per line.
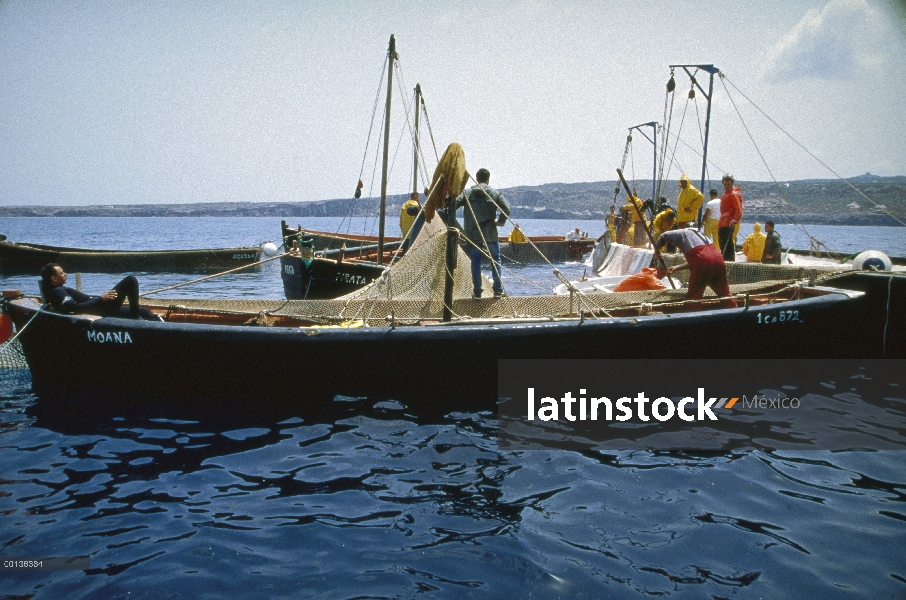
863	200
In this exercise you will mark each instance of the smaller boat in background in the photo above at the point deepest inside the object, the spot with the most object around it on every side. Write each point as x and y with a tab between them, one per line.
21	258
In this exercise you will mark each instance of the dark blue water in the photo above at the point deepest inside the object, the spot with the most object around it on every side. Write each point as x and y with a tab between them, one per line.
375	502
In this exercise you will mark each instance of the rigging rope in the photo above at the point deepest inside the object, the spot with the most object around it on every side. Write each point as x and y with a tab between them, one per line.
815	243
668	124
350	209
795	141
430	132
423	173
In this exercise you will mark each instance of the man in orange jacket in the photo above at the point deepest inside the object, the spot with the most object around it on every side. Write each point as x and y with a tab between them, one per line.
730	216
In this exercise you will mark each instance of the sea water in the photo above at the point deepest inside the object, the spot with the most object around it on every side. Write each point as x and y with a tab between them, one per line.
376	502
183	233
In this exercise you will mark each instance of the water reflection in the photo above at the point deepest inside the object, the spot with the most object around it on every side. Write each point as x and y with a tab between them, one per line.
375	501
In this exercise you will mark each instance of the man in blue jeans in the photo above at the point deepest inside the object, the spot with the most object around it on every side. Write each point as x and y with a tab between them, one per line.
481	204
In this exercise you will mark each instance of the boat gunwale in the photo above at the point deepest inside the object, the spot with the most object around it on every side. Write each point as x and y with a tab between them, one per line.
822	295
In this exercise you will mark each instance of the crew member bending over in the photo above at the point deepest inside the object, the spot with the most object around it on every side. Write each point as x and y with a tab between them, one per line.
109	304
707	266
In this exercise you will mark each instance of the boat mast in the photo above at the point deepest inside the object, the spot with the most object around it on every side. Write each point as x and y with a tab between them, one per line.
711	70
391	56
418	100
653	125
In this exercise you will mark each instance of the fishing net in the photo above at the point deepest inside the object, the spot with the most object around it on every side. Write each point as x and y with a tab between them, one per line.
11	357
412	290
623	260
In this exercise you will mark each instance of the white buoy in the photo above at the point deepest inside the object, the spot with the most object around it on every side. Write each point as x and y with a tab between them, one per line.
872	260
270	249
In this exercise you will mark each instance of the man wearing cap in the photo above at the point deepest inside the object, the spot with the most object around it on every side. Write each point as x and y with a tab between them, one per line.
688	202
481	222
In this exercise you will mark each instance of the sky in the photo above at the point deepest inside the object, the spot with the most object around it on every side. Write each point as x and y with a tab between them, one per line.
138	102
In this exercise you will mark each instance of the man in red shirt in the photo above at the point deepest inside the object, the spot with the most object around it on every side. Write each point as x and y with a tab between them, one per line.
730	216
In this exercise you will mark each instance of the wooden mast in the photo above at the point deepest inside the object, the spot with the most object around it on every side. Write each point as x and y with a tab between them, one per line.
391	56
418	100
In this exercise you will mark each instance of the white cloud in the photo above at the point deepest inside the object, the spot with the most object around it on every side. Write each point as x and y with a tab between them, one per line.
836	42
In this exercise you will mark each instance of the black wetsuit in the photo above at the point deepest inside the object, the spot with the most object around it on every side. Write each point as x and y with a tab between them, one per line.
68	300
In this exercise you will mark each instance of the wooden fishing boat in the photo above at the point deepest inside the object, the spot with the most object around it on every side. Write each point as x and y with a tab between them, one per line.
208	352
20	258
345	263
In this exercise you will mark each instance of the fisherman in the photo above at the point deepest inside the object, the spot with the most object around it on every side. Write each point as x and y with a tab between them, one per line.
573	236
408	212
771	254
688	202
707	266
516	236
661	206
481	205
663	221
611	221
109	304
624	225
730	216
753	246
711	217
412	218
634	206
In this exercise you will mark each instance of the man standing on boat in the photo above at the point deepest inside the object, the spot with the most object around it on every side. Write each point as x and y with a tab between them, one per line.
771	254
636	207
730	216
109	304
688	202
711	217
706	265
753	246
481	222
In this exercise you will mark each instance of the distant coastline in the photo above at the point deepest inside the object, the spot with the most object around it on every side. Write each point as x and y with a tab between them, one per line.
813	201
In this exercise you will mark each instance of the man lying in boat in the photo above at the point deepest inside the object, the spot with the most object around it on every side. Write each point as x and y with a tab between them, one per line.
706	264
109	304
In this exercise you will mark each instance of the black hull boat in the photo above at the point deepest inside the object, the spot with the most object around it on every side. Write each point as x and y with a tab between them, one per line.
325	278
344	264
197	362
18	258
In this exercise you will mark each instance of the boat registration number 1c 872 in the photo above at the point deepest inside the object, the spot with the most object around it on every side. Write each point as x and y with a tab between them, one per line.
783	316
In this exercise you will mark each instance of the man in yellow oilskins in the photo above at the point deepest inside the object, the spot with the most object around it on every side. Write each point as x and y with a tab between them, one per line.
687	203
753	246
663	221
635	207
